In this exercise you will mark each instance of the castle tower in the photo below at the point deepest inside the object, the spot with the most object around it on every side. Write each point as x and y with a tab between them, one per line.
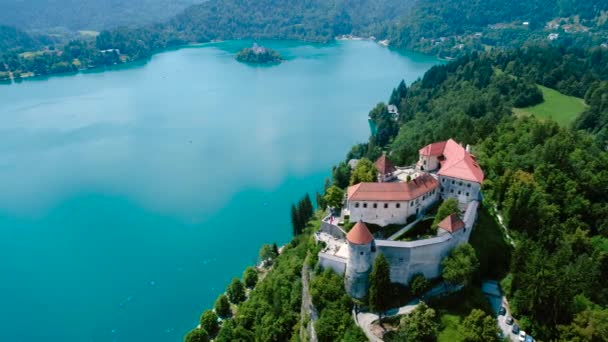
360	248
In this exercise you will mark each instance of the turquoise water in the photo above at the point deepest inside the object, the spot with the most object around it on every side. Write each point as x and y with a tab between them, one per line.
130	198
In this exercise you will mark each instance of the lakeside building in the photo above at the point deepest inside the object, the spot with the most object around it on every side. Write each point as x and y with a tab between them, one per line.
444	170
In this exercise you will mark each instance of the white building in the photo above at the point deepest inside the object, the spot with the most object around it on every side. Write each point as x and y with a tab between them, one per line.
459	173
391	203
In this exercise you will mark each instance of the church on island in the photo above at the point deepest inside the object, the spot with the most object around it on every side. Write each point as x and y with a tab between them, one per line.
397	206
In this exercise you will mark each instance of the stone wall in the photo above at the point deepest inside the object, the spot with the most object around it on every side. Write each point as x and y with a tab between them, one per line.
332	262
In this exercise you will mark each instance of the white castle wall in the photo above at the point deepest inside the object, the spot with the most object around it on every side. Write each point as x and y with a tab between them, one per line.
463	191
332	262
406	258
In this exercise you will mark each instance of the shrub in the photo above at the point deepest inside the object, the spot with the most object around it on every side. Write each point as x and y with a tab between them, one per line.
197	335
208	322
250	277
222	306
236	291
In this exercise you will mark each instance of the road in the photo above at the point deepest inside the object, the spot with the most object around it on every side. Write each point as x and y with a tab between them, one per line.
492	291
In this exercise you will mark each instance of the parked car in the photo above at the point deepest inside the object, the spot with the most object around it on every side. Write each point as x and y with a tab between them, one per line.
522	336
509	320
529	339
502	311
515	329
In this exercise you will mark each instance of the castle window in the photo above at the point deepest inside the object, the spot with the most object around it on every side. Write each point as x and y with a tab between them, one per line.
459	192
453	182
385	205
460	183
452	191
468	185
411	204
375	205
364	205
442	180
398	205
467	194
356	204
361	253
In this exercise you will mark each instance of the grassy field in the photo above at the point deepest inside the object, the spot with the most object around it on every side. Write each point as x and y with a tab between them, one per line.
559	107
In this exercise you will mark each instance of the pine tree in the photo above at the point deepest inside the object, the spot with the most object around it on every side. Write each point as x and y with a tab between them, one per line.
309	208
222	306
380	285
236	291
295	220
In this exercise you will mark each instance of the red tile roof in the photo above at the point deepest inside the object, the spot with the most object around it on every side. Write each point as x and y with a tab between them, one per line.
384	165
359	234
451	223
392	191
456	161
434	149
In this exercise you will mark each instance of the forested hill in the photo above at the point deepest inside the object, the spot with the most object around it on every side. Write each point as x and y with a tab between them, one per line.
550	184
452	28
88	14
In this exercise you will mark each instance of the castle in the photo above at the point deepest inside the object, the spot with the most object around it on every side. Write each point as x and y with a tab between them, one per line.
402	196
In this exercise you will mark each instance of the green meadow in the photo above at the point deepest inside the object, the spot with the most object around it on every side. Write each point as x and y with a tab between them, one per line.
559	107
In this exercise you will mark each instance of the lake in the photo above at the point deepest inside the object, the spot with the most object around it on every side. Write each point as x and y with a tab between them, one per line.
130	198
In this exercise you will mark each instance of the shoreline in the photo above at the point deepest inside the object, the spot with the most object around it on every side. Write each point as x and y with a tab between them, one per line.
29	76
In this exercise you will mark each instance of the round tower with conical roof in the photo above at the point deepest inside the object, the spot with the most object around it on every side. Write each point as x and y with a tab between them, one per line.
360	255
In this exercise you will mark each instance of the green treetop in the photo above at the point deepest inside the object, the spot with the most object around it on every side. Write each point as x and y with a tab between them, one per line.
222	306
447	208
197	335
365	171
334	196
420	325
479	327
236	291
250	277
460	265
209	323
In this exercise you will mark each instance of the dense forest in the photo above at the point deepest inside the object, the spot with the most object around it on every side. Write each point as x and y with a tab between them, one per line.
88	14
549	183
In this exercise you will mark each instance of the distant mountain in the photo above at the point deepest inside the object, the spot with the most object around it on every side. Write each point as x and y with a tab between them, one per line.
87	14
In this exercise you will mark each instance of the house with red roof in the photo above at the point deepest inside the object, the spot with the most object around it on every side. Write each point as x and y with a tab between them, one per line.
459	174
391	203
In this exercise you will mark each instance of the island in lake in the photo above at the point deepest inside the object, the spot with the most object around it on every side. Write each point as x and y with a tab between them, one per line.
259	55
